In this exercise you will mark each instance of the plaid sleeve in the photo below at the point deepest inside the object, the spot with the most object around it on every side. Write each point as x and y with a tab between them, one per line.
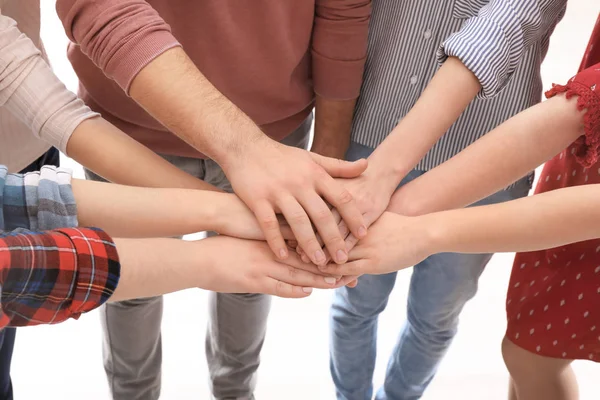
49	277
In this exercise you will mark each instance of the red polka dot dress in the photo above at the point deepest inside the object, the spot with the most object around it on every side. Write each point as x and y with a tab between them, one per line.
553	300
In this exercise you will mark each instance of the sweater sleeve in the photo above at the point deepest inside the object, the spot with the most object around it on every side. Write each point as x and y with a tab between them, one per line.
32	93
339	47
121	37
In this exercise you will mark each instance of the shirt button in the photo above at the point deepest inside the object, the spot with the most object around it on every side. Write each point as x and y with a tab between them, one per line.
413	80
427	34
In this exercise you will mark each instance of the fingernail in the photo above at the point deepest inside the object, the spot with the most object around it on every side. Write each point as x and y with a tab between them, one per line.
319	256
330	280
362	231
307	290
282	253
342	257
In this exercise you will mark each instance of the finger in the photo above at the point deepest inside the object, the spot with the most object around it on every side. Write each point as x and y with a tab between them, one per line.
347	281
353	284
296	262
286	230
302	228
355	268
285	290
326	226
269	224
339	168
302	278
344	203
293	243
351	241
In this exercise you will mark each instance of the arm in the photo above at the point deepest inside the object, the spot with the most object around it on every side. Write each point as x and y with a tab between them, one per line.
49	277
490	46
538	222
339	48
131	43
49	199
512	149
126	211
30	91
502	156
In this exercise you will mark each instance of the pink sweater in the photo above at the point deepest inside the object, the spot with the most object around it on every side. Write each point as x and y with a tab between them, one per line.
268	56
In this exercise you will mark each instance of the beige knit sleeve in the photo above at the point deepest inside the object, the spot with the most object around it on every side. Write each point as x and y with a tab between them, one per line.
30	90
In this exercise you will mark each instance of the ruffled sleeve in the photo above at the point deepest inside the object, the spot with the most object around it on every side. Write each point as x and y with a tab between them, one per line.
586	86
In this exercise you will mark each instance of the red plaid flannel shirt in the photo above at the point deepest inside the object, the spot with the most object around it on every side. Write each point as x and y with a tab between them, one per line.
48	277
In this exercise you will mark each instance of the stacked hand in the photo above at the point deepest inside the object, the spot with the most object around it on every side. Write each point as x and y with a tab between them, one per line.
394	242
271	178
244	266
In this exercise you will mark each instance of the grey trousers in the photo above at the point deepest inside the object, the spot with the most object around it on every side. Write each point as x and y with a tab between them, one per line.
236	329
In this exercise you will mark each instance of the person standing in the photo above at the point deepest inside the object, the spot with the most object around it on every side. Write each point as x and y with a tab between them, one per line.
491	53
248	68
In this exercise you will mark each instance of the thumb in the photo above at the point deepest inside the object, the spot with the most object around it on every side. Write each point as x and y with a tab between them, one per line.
340	168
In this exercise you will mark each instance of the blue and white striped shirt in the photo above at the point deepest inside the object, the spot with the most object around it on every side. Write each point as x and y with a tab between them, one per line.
503	42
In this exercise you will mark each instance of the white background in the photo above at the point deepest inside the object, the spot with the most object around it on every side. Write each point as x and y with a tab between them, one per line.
64	362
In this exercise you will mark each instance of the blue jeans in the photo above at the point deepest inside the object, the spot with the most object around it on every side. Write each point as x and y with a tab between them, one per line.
8	335
440	286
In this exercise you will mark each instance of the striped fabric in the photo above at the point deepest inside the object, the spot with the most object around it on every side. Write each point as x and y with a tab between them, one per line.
40	200
502	41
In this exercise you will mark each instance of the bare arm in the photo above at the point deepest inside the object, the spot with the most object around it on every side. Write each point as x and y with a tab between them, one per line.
104	149
501	157
269	177
151	267
126	211
333	122
538	222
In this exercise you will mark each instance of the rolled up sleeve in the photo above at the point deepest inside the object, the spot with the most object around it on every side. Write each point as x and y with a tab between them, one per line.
121	37
49	277
492	43
339	47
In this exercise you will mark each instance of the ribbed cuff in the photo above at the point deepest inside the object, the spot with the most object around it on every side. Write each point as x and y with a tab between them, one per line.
335	79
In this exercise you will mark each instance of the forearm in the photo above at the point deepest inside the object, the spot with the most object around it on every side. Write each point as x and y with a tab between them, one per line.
333	122
125	211
104	149
153	267
501	157
176	93
448	94
538	222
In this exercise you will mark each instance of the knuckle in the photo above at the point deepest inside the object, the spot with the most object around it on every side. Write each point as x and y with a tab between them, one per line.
311	243
323	214
292	274
345	197
269	222
280	289
297	217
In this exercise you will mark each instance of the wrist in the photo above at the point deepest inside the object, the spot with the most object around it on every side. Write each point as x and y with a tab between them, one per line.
436	233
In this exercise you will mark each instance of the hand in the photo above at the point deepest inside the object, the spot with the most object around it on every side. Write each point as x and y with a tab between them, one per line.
372	192
234	218
394	242
270	178
243	266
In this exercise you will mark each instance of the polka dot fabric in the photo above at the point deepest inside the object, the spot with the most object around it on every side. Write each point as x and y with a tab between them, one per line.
553	300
